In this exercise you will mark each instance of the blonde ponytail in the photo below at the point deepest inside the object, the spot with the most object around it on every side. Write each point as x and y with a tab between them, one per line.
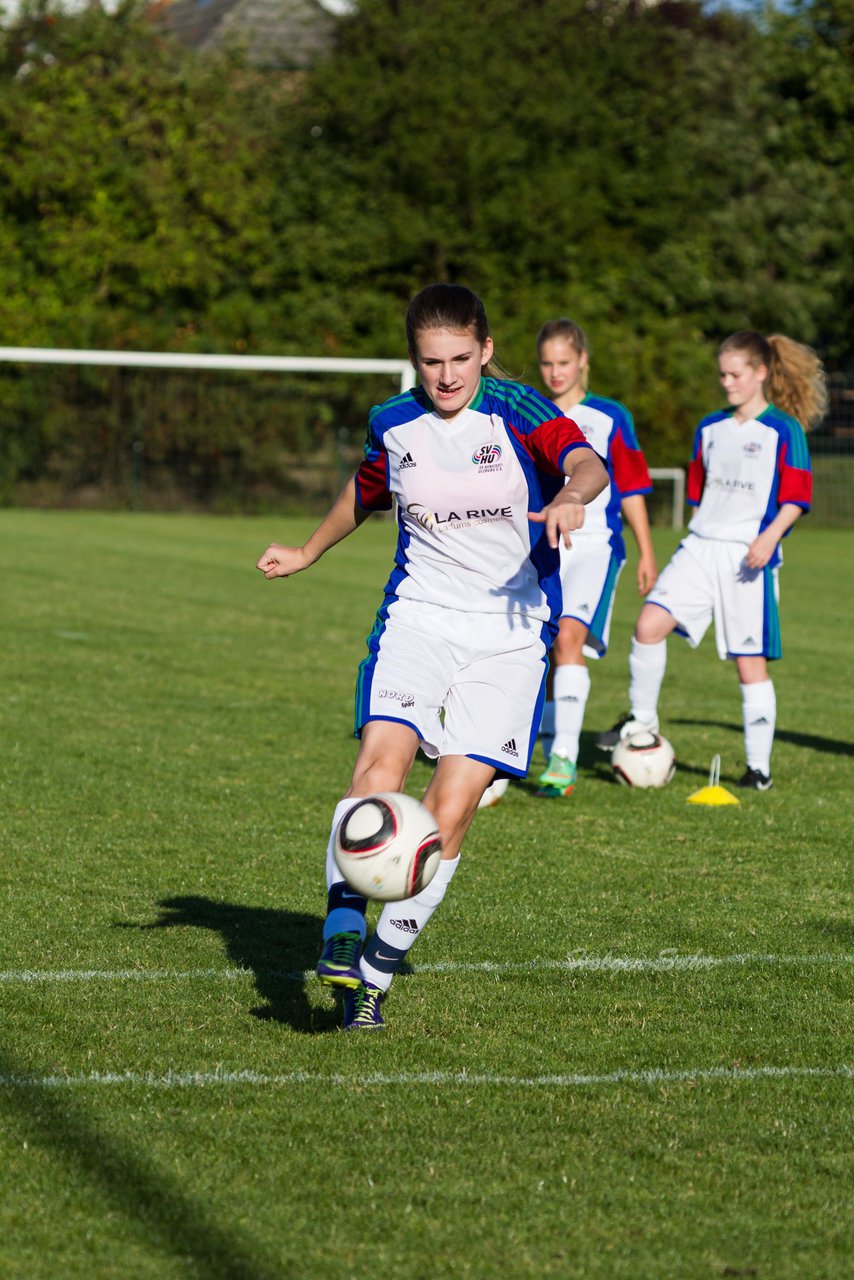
796	380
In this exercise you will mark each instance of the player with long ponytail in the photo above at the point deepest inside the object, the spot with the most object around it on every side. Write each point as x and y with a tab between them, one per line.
750	481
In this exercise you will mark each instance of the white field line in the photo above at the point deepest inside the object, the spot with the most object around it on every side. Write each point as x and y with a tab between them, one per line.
573	964
255	1079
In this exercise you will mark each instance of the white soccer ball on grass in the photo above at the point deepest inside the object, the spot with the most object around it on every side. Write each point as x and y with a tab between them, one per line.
644	760
387	846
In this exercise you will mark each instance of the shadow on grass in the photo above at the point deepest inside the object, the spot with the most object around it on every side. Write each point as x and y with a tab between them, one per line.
129	1182
832	746
279	947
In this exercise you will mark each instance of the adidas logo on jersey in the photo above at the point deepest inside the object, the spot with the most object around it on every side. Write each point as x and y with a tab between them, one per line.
407	926
407	461
509	748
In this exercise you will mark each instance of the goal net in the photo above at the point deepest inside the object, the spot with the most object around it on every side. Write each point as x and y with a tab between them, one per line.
166	431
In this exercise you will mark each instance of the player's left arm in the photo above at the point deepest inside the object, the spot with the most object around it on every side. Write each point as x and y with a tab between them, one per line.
763	547
586	478
634	510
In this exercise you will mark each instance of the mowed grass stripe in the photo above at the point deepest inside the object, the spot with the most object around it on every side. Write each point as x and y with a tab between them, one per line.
206	1079
583	964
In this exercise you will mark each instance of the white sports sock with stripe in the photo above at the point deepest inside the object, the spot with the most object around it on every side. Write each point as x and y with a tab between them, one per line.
647	664
399	925
571	690
759	716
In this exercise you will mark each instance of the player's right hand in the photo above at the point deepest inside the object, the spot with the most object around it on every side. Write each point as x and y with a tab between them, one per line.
280	562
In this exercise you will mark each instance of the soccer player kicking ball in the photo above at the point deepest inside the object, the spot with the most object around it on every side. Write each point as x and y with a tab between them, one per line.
591	567
750	481
457	658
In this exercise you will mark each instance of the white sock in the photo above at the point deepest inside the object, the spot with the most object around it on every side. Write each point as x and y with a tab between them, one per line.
647	664
333	875
759	715
345	909
571	688
400	924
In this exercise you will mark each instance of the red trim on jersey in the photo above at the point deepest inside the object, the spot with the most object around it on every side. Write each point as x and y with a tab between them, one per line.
372	489
696	480
628	466
795	484
548	443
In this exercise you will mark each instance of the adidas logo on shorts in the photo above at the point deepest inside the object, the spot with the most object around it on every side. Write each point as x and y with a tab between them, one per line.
509	748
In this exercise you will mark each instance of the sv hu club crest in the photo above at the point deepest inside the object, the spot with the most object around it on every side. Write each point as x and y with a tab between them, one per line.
486	455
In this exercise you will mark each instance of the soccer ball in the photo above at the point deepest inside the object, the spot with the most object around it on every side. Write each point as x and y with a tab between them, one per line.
644	760
387	846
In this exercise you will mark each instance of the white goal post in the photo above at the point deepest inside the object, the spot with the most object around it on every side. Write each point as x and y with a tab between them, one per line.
677	475
177	360
402	369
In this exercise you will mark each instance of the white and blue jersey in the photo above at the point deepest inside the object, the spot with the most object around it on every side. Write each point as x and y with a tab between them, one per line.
608	426
464	488
741	473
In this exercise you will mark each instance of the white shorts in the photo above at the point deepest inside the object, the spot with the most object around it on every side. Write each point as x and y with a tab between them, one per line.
589	571
708	579
469	684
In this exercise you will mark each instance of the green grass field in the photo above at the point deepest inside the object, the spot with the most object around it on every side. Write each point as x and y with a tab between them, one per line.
625	1045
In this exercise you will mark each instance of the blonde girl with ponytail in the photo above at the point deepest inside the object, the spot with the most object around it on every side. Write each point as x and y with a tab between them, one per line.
750	481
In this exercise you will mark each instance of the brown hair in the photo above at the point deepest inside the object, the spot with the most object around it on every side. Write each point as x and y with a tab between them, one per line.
449	306
796	381
571	333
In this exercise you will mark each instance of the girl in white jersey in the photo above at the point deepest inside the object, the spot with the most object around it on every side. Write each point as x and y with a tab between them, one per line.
457	659
750	481
591	567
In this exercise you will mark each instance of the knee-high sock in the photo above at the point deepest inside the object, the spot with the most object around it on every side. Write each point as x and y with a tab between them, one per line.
647	664
400	924
759	715
571	689
345	909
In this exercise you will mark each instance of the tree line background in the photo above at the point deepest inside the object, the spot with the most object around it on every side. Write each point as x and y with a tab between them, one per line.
664	174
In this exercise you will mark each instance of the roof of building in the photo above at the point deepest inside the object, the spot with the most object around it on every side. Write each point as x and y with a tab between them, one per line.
284	33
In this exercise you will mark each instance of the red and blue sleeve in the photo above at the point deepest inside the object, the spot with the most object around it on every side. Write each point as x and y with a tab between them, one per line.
551	441
793	469
628	465
372	491
696	472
